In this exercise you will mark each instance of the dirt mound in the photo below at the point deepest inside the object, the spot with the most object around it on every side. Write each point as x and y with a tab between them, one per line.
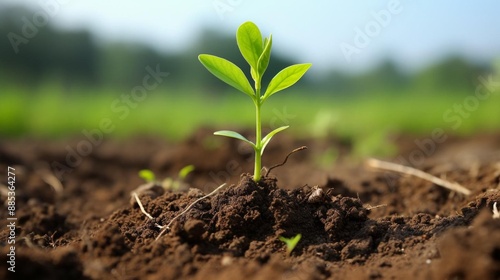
355	224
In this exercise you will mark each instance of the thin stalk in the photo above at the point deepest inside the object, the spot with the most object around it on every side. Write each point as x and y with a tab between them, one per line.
258	144
258	130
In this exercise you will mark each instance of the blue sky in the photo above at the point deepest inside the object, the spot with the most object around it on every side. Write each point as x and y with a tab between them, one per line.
414	33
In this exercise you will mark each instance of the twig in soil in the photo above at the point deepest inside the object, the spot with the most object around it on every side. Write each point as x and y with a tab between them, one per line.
43	171
166	227
375	163
142	207
143	210
369	207
286	158
53	182
496	214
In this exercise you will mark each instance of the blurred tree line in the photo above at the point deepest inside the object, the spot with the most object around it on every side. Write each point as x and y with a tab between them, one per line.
75	59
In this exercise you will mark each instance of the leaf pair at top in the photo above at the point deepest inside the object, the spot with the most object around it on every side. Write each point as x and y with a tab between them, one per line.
257	52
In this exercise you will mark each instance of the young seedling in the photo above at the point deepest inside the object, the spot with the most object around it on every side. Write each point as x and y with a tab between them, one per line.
291	242
176	184
167	183
154	188
257	52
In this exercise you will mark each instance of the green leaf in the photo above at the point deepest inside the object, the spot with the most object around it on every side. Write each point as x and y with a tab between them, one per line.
227	72
268	137
147	175
265	56
185	171
286	78
232	134
249	41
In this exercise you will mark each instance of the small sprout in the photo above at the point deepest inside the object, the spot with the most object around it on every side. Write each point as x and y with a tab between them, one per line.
291	242
168	183
257	52
178	183
147	175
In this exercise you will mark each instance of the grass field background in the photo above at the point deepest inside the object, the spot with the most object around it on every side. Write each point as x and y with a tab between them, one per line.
48	113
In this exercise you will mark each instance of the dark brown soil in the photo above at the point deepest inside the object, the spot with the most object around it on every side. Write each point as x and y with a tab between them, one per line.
356	223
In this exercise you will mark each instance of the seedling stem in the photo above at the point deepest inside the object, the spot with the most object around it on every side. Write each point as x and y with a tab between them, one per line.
258	142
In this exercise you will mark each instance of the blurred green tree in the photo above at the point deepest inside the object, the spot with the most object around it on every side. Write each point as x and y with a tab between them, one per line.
75	59
69	57
452	74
